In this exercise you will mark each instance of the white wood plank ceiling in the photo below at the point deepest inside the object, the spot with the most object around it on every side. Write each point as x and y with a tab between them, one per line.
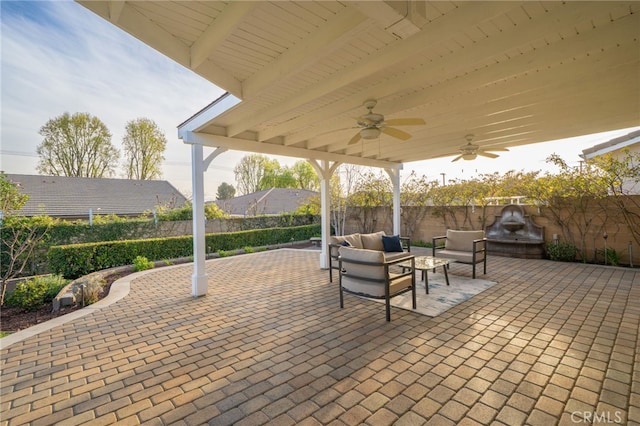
510	73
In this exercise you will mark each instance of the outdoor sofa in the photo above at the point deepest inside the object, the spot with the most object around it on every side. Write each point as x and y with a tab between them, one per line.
393	247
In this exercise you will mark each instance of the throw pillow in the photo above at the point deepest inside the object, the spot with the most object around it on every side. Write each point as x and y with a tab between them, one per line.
391	243
345	243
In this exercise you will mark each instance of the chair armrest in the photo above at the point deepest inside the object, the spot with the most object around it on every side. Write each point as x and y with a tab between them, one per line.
401	259
406	242
435	239
333	245
406	270
476	243
435	246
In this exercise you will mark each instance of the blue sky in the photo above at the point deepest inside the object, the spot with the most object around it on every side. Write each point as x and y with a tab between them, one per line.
58	57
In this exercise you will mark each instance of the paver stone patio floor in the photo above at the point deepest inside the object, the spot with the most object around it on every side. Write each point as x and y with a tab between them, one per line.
551	343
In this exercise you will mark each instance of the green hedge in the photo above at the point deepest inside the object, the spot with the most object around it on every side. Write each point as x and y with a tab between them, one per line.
76	260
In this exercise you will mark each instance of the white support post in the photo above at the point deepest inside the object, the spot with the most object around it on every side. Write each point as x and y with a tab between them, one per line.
199	279
394	174
324	171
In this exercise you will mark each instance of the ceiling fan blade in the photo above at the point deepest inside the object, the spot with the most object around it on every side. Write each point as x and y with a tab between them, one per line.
457	158
396	133
496	149
488	154
405	122
355	138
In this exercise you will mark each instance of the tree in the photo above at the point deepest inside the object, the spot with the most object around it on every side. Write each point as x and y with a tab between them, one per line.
144	143
249	173
572	198
20	235
622	176
370	192
76	145
342	184
225	191
415	196
11	200
276	176
305	176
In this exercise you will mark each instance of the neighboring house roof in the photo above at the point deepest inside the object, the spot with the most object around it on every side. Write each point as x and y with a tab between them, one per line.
267	202
72	197
616	144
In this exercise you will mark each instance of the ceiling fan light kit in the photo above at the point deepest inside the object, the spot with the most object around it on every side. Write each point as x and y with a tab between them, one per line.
370	133
469	156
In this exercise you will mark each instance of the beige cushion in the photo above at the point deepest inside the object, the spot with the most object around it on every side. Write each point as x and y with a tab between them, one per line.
372	241
363	255
460	256
353	239
462	240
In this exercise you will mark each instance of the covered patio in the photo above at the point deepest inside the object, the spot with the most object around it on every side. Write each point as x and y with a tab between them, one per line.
385	83
551	343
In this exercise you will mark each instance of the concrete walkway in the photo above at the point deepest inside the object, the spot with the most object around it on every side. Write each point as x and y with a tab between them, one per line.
551	343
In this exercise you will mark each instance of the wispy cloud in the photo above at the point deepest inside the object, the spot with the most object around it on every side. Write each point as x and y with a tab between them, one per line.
59	57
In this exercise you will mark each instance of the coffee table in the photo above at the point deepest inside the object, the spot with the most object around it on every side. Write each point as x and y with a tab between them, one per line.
424	263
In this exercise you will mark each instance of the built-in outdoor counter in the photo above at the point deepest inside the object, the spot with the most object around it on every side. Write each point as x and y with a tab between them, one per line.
514	234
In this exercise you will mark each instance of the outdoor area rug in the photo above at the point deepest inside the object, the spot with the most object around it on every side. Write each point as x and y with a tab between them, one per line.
441	297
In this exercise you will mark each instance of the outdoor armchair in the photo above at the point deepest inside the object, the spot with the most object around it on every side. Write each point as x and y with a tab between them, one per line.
469	247
367	273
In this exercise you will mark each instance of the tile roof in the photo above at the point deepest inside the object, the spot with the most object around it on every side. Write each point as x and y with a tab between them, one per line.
266	202
620	142
71	197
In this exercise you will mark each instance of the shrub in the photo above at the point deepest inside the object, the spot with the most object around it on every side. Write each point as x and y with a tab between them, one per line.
141	263
30	295
563	252
76	260
93	287
611	257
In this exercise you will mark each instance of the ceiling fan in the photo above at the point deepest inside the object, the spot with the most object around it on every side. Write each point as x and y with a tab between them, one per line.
372	124
471	151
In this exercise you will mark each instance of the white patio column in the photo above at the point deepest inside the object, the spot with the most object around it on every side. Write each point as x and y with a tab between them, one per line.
199	279
394	174
325	171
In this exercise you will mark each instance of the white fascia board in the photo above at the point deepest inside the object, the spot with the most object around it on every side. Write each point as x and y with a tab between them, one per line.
612	148
208	114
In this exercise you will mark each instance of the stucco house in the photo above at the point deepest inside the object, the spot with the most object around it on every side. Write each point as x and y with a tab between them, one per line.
617	147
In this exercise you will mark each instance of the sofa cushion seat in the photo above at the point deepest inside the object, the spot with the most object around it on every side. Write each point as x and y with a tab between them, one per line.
460	256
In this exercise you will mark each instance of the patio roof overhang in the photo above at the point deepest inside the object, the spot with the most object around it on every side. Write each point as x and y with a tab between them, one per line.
511	73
